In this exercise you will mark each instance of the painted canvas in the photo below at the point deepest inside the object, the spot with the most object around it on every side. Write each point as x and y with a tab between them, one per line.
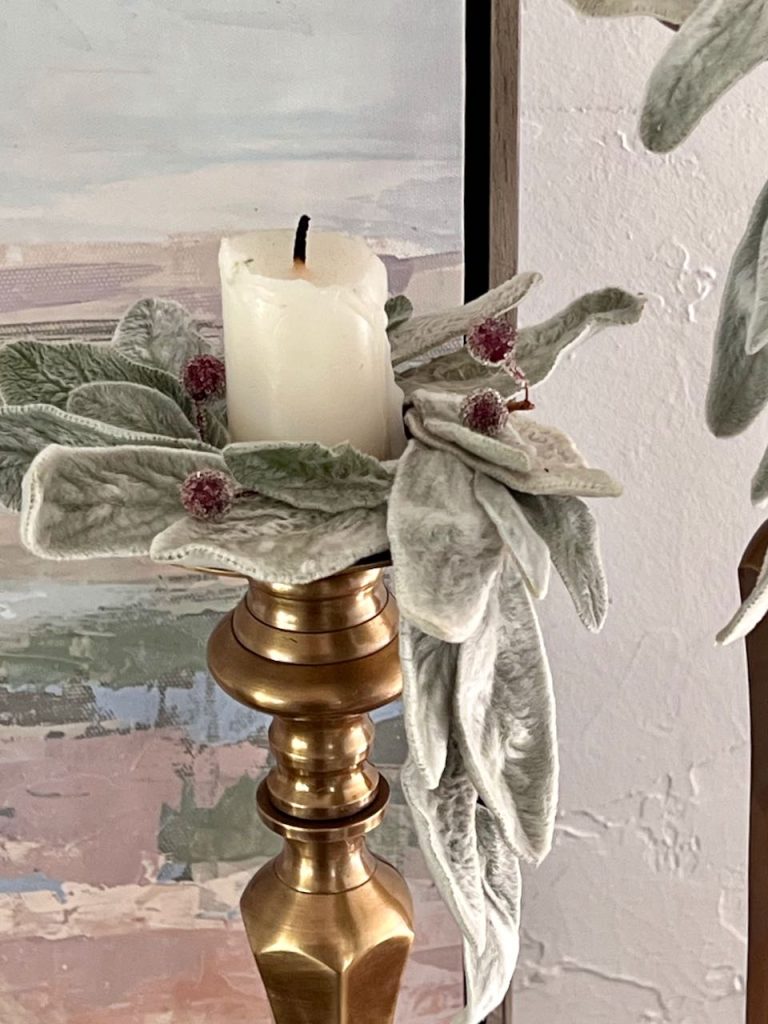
136	133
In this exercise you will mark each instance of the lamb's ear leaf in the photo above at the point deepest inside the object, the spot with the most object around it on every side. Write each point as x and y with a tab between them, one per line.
399	309
101	502
446	551
719	43
757	329
35	371
457	373
429	677
751	613
159	332
489	975
131	407
212	423
673	11
504	716
540	346
523	543
760	482
440	413
269	540
738	384
25	430
309	475
556	468
538	351
444	820
422	334
569	530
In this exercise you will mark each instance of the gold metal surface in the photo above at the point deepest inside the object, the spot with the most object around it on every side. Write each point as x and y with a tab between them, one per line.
330	925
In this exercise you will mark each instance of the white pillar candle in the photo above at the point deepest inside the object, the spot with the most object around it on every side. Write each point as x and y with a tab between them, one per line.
305	343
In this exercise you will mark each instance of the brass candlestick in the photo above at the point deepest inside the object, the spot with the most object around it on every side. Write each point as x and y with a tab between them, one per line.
330	925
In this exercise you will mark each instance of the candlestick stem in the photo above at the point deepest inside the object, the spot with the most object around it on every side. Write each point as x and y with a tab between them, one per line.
330	925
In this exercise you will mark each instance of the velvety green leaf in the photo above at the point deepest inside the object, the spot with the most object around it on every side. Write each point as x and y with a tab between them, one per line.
429	678
34	371
99	502
556	466
422	334
457	373
440	413
675	11
269	540
398	309
489	973
569	530
719	43
504	714
521	540
444	820
540	346
445	549
131	406
310	475
213	426
159	332
760	482
26	429
751	613
738	384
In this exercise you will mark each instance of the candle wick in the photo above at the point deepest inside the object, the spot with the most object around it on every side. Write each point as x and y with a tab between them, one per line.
300	244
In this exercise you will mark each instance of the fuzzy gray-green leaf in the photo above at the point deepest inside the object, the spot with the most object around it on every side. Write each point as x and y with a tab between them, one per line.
444	819
540	346
100	502
212	421
538	350
26	429
422	334
398	309
719	43
440	414
456	372
269	540
310	475
34	371
556	466
132	407
738	384
445	549
429	678
524	544
504	713
159	332
569	530
753	610
675	11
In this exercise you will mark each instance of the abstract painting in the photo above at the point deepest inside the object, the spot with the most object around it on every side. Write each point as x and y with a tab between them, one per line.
135	134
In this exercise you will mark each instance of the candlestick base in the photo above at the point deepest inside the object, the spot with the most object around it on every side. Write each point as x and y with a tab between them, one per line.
329	924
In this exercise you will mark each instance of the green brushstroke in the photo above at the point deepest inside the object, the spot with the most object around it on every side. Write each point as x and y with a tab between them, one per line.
231	830
228	831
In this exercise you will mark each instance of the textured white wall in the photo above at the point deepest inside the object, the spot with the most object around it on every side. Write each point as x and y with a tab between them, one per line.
639	913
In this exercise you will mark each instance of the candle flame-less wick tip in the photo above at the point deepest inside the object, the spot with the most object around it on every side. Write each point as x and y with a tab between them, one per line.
300	242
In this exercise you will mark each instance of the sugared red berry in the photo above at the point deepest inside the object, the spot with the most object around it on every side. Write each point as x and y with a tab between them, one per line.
492	342
204	378
208	494
485	412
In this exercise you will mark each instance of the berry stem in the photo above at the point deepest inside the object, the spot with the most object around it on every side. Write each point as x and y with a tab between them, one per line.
523	405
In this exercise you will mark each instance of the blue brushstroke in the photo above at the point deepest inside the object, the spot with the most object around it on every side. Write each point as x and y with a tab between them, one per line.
36	882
